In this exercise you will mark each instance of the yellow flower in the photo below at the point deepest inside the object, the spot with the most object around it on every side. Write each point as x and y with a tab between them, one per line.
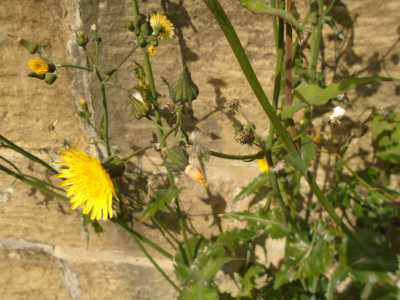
263	165
161	25
89	183
39	66
152	50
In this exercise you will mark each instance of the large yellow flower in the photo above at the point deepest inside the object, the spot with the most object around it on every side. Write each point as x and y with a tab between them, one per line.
161	25
89	183
39	66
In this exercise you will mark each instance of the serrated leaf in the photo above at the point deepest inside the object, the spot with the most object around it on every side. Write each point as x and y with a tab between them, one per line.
255	185
199	291
248	281
163	197
260	7
332	24
312	94
304	259
391	154
232	239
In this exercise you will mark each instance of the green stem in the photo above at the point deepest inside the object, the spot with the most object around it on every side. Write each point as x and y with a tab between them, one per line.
328	207
171	130
105	118
90	57
164	229
155	123
154	263
28	155
33	183
76	67
230	34
128	157
121	63
179	121
116	86
316	15
149	74
258	155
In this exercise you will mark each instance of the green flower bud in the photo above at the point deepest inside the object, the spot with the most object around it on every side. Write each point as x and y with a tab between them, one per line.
115	166
184	90
140	106
130	26
81	39
154	43
176	159
146	29
31	47
108	70
142	41
50	78
38	76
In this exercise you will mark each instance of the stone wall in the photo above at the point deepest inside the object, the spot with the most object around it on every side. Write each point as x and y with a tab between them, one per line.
43	247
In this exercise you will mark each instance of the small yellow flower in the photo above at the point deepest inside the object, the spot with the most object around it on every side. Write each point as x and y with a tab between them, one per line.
161	25
317	139
263	165
39	66
152	50
89	183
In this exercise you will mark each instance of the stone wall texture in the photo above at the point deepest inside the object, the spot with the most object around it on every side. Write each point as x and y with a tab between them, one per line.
43	247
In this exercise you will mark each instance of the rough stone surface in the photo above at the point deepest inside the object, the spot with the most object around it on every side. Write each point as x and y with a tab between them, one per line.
43	247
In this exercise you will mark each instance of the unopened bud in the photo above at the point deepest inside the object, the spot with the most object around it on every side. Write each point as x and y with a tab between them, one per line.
130	26
109	70
31	47
140	106
115	166
184	90
196	174
176	159
38	76
50	78
81	39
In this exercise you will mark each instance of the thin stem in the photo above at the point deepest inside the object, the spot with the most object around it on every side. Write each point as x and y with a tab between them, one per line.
258	155
33	183
171	130
316	15
32	157
164	229
179	121
121	63
154	263
116	86
90	56
76	67
155	123
141	150
105	119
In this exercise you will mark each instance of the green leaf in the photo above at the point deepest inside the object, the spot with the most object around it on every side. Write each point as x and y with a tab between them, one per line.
307	151
332	24
163	197
232	239
248	281
304	259
270	223
260	7
255	185
385	258
392	154
313	94
199	291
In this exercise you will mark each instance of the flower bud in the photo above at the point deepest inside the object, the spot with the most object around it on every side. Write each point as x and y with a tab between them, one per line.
38	76
108	70
176	159
184	90
146	29
114	165
196	174
140	106
130	26
50	78
31	47
81	39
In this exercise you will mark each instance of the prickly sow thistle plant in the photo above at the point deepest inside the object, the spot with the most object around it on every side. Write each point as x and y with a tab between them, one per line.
319	253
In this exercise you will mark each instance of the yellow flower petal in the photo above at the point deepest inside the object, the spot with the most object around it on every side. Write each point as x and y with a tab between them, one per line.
152	50
39	66
263	165
161	26
88	183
